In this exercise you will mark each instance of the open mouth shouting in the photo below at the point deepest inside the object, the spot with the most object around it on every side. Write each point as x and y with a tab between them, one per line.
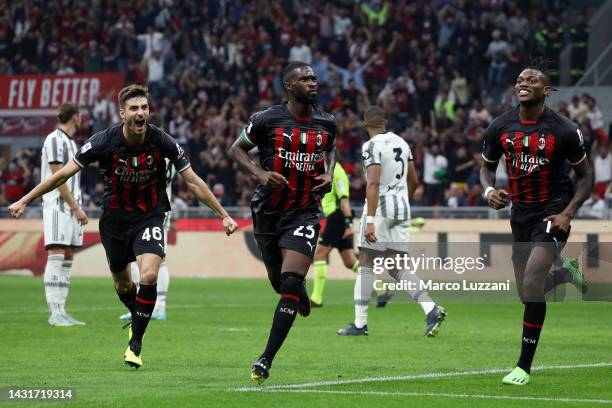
140	125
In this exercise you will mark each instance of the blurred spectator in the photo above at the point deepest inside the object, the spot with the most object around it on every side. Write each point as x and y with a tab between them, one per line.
593	207
552	33
300	52
479	114
434	173
593	114
579	37
518	28
577	109
460	168
499	52
602	169
15	180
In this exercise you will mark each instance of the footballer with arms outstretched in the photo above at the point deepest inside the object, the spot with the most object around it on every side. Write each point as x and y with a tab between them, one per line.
296	142
131	160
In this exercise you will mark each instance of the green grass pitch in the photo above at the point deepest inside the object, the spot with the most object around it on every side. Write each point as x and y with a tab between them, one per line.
216	328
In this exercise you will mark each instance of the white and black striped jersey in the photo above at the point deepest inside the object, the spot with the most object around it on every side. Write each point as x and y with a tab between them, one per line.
59	148
392	153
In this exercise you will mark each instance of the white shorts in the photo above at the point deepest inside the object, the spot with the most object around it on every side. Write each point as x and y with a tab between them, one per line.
61	229
390	234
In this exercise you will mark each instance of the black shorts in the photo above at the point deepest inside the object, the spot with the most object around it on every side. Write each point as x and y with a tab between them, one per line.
333	232
123	243
529	229
296	230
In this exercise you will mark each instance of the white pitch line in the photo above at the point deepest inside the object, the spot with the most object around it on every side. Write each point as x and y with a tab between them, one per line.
442	395
415	377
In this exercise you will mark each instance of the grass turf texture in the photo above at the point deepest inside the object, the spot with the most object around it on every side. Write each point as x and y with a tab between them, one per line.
216	329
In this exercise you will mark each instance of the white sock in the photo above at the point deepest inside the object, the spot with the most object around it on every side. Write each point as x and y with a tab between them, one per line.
163	281
135	274
362	295
419	296
52	283
64	284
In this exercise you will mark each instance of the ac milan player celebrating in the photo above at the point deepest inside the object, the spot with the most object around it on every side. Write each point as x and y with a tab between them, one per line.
293	172
131	158
536	142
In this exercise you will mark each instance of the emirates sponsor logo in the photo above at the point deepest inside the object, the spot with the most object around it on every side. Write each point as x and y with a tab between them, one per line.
527	162
301	161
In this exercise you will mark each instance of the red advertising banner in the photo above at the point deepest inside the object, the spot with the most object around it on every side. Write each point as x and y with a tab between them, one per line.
38	95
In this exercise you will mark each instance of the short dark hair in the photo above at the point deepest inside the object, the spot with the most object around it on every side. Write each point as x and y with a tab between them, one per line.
541	65
375	115
156	119
291	67
132	91
66	111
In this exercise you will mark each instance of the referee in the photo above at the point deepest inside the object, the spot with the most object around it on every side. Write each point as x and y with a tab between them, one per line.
338	233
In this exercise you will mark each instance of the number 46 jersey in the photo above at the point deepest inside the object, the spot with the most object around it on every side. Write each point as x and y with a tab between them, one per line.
392	153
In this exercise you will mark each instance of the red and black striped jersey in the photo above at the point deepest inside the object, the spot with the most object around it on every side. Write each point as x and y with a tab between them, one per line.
134	175
293	147
535	153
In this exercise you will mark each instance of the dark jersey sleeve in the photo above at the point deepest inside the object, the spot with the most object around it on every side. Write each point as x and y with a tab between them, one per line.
491	144
174	152
573	145
92	149
331	138
254	130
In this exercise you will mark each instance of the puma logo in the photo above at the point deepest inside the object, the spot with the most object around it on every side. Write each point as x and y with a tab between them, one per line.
287	135
310	245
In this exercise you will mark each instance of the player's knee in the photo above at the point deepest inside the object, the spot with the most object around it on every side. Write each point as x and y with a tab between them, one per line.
123	286
533	289
148	276
291	284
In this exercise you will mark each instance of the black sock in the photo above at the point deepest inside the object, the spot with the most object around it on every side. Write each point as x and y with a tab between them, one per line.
128	298
533	320
143	307
284	316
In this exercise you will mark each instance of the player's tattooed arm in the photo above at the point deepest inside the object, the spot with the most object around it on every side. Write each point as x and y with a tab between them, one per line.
200	189
55	180
239	152
324	180
584	184
497	199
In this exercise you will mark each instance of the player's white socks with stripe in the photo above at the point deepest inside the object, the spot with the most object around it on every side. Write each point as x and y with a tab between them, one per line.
53	282
364	284
419	296
163	281
65	284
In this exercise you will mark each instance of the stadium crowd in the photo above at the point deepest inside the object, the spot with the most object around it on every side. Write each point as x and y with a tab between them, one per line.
441	69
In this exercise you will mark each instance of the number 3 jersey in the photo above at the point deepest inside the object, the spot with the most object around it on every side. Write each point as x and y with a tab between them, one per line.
293	147
392	153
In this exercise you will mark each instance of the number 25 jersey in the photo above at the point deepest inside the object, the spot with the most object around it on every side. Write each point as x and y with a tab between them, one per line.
293	147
